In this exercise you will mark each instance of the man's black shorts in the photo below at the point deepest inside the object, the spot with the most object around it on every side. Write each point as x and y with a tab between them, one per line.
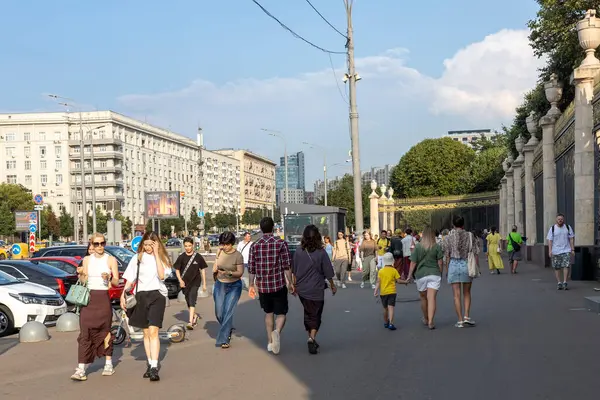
388	300
274	303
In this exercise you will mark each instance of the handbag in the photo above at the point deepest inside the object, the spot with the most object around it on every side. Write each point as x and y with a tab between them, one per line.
131	298
79	294
472	260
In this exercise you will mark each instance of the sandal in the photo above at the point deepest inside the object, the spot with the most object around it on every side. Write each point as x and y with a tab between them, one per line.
225	346
431	327
459	324
424	321
230	334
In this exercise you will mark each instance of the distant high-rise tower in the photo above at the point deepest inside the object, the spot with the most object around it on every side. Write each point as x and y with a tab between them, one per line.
296	174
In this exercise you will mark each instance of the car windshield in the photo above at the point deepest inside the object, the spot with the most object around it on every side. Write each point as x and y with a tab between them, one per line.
124	255
45	269
6	279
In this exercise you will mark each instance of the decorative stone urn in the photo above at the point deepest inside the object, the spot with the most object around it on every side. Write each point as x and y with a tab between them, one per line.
510	161
532	128
588	31
519	143
390	193
383	187
373	187
505	165
554	91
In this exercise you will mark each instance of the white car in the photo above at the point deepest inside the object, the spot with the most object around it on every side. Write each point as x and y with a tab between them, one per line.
21	302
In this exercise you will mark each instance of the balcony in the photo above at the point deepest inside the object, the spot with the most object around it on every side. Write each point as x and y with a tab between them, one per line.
98	155
115	169
97	142
99	184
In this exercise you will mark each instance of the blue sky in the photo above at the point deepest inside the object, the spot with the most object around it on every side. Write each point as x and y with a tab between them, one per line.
226	65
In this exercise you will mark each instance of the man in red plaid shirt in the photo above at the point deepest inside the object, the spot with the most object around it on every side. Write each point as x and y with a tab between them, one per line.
270	274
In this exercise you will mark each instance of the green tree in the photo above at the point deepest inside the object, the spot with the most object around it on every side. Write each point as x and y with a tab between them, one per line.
126	223
222	220
486	169
7	220
66	222
209	222
433	167
343	196
101	221
17	197
194	219
415	219
50	224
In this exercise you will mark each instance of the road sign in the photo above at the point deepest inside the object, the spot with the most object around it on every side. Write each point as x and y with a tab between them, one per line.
31	243
15	249
38	199
33	216
135	243
200	214
33	228
38	207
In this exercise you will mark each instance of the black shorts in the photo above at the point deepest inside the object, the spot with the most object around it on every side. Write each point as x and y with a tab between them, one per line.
191	295
149	310
388	300
274	303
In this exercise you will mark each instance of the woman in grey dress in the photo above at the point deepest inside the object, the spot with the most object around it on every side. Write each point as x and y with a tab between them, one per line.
457	245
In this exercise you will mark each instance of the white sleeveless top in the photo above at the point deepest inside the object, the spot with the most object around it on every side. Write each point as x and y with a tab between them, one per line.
96	267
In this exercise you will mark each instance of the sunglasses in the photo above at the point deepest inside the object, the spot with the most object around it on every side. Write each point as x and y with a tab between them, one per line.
98	244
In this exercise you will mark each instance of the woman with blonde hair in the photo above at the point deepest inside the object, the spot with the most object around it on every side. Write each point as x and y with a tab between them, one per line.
98	270
426	264
148	271
368	251
493	251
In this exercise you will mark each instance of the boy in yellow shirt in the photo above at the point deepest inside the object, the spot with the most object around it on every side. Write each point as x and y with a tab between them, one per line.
387	277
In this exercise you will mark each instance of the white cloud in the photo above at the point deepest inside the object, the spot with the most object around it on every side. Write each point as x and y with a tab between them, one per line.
480	86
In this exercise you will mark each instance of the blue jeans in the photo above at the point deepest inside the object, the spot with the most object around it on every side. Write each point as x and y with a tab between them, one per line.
226	296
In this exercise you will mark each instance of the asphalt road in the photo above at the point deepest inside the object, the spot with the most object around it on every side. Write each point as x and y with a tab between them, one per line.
531	342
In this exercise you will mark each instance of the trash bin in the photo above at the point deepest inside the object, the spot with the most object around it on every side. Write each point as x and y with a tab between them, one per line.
584	268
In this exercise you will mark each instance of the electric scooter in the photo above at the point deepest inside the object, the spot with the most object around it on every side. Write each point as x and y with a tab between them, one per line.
175	333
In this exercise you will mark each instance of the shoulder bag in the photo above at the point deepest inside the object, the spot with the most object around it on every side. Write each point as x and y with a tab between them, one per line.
472	261
79	294
192	258
516	246
131	298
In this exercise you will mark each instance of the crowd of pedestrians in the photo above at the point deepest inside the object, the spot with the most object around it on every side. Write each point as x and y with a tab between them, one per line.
318	265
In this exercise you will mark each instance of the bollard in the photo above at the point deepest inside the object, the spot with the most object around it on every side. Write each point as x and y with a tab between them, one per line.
32	332
68	322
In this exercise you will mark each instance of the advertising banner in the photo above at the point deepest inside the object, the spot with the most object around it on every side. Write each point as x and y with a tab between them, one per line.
23	220
162	204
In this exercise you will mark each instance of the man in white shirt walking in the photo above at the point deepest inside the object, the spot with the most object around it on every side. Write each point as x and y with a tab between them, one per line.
561	246
244	248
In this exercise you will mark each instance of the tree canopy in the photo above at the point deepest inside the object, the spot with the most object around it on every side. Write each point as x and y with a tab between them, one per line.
13	197
343	196
433	167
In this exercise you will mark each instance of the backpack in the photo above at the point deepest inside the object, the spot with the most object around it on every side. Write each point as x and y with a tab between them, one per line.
569	230
396	248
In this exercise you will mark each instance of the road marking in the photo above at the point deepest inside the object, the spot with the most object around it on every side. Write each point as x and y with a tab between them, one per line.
578	309
536	279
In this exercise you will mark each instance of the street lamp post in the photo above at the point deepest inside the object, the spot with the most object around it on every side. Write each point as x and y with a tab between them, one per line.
311	145
90	131
285	191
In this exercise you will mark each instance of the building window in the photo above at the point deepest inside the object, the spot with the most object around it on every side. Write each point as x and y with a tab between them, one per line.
11	179
42	136
56	135
59	179
77	164
42	151
45	193
28	179
10	137
77	149
43	164
27	151
58	164
27	136
101	148
58	151
44	179
103	164
11	152
11	164
104	178
87	164
28	165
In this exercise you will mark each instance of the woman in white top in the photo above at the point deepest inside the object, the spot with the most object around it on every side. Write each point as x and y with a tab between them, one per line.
148	271
99	271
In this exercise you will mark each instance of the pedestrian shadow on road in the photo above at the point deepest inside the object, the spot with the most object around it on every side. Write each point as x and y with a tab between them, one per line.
8	343
212	329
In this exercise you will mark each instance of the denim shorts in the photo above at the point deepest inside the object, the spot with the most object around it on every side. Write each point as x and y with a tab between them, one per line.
458	271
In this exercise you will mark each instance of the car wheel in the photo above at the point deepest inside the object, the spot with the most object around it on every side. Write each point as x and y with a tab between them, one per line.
7	323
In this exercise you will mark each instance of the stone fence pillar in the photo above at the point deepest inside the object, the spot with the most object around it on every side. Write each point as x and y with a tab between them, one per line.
391	206
383	202
517	180
510	196
374	209
530	211
502	216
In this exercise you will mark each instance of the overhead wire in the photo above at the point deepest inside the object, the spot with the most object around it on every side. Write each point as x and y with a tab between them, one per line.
325	19
345	98
297	36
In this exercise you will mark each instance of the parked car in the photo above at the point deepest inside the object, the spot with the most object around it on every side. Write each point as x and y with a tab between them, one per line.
122	255
21	302
70	264
40	273
213	240
174	242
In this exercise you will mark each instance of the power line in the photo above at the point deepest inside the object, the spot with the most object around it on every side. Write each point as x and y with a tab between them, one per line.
345	98
297	36
325	19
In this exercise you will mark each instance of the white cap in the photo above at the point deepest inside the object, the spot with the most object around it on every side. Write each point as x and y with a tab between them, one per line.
388	259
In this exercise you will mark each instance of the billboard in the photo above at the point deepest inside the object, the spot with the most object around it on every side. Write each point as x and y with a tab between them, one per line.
23	220
162	204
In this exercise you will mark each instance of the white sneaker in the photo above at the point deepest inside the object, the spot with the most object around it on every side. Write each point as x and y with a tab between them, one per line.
373	287
269	347
349	279
362	285
108	370
79	375
343	286
276	342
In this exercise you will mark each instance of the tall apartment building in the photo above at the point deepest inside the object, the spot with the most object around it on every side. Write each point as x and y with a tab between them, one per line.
319	192
380	174
296	174
292	196
468	136
257	179
221	182
122	158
